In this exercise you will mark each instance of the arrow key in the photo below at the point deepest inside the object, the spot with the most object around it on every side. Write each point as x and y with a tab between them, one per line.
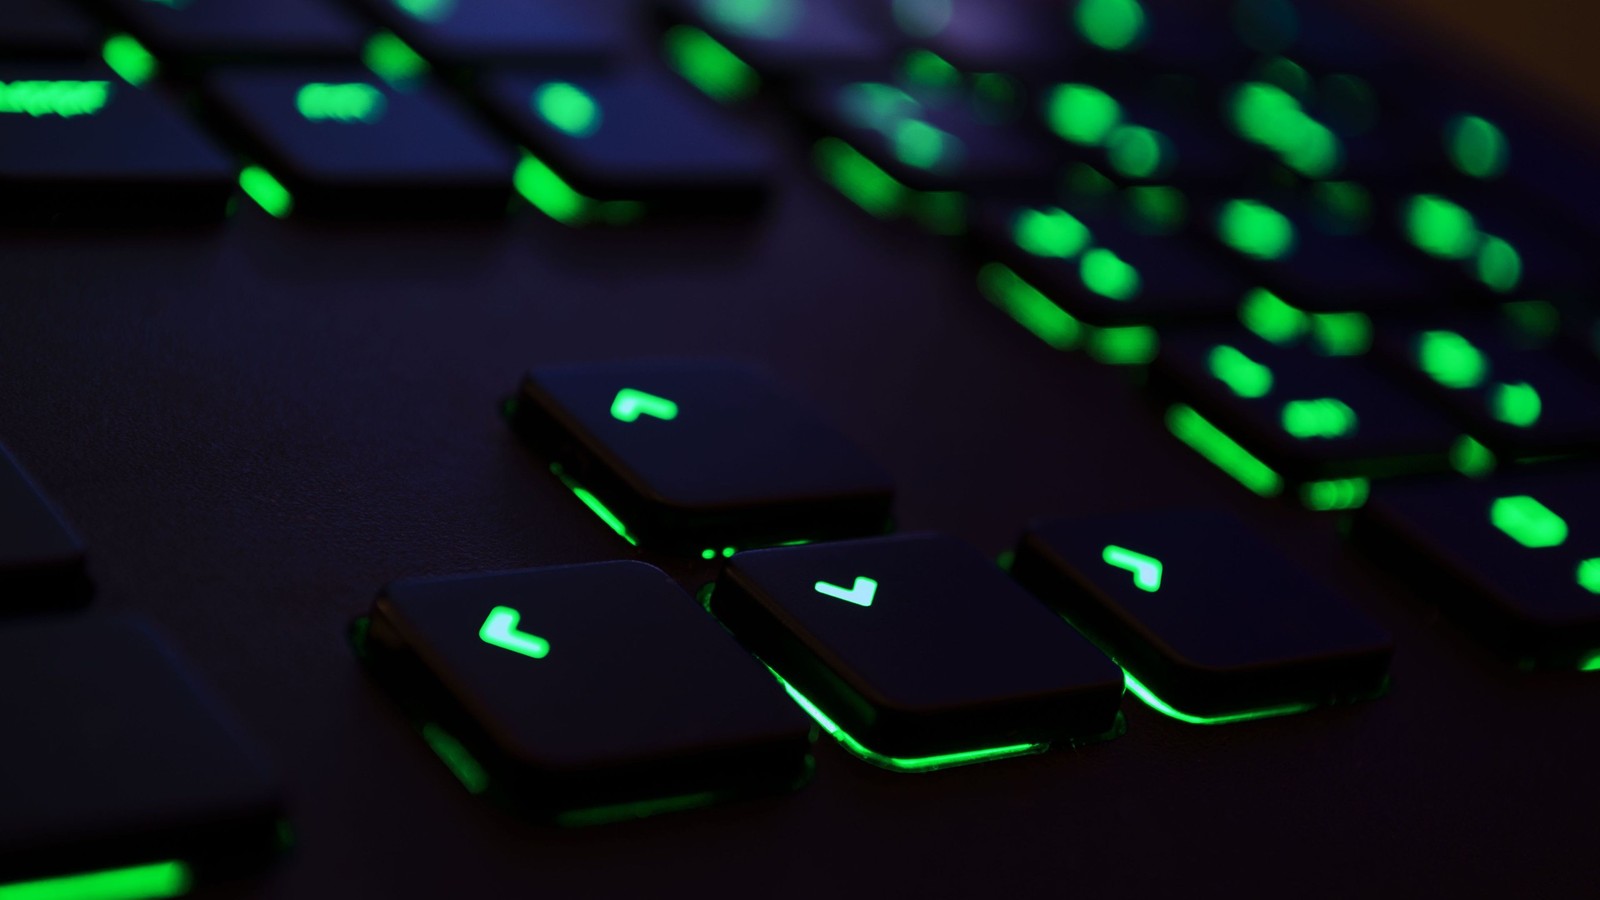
1209	622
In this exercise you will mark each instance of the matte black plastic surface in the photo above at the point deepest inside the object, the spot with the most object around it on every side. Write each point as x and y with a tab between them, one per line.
199	32
464	32
41	559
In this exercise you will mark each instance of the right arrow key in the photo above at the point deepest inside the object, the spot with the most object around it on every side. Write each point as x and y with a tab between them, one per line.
1209	623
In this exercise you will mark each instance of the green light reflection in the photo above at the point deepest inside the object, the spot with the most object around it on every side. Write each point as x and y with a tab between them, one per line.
150	881
1148	697
1222	451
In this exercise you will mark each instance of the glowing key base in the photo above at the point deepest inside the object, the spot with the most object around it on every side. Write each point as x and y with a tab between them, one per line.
594	504
146	882
1148	697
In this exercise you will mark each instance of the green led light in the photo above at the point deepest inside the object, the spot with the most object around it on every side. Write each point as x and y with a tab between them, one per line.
1273	320
623	812
1149	699
427	10
1315	152
351	102
1243	375
929	69
1528	522
456	758
129	59
1451	360
1107	275
1081	114
1334	494
1123	345
144	882
1156	209
1146	569
1139	152
1110	24
1498	264
392	59
1342	334
594	504
1031	309
500	630
1476	146
878	106
708	65
708	553
1515	404
1471	458
1222	451
1255	229
768	19
1440	227
901	763
924	146
729	551
268	193
66	99
550	194
859	179
1590	663
1324	417
1588	577
861	593
568	108
1050	232
630	404
1268	115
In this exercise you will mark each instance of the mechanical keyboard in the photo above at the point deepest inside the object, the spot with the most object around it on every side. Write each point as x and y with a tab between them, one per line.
471	448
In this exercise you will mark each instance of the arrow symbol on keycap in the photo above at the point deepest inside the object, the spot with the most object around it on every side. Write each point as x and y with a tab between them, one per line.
500	629
630	404
1146	569
861	594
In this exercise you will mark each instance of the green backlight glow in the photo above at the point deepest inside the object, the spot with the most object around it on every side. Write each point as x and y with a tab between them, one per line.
1528	522
1272	320
1590	664
129	59
594	504
1222	451
860	179
924	146
1342	334
1588	577
1476	146
500	630
145	882
1324	417
767	19
1138	152
623	812
54	98
568	108
1050	232
351	102
427	10
902	763
1515	404
1031	309
1243	375
1081	114
1471	458
392	59
1123	345
1498	264
1107	275
708	65
1270	116
1147	570
630	404
1334	494
1440	227
1255	229
929	69
456	758
268	193
860	593
1451	359
1149	699
550	194
1110	24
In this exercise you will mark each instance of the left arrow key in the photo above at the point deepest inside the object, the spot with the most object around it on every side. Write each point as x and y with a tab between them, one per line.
500	629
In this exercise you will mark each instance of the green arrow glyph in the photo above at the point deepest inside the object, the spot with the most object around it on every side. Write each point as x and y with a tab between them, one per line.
1146	569
860	593
630	404
500	629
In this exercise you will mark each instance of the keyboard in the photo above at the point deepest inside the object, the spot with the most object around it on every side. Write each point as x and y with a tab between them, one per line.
945	448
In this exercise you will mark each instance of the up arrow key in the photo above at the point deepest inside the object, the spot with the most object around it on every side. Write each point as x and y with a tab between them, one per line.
1146	569
860	594
630	404
500	629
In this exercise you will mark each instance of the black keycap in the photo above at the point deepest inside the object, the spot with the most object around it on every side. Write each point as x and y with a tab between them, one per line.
79	146
202	32
41	559
118	758
1515	557
1101	270
465	32
630	140
1518	398
917	646
1295	416
346	145
584	692
1206	616
701	454
52	28
978	36
782	41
